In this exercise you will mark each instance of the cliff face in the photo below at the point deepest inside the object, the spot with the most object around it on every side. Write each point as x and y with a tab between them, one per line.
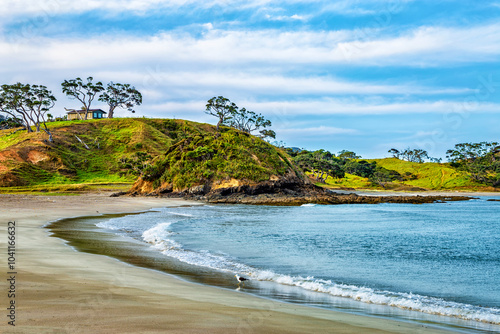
285	184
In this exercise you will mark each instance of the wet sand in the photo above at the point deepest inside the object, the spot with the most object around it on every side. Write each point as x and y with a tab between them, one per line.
60	290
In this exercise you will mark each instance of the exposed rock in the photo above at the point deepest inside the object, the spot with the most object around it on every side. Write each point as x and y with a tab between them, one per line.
284	191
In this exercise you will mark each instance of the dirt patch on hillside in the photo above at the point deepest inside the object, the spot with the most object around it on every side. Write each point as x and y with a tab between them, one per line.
37	156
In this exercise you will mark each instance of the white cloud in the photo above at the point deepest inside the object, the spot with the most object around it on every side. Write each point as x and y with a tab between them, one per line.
267	70
264	49
427	46
53	7
294	17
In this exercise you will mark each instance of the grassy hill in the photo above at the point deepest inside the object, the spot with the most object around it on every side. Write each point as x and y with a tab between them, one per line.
174	154
179	152
426	176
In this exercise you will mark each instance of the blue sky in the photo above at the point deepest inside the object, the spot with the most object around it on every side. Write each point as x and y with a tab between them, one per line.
361	75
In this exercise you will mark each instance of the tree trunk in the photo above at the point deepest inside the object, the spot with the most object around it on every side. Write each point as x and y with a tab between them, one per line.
51	140
111	112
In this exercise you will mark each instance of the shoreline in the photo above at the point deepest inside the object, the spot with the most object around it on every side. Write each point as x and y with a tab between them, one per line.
75	292
367	192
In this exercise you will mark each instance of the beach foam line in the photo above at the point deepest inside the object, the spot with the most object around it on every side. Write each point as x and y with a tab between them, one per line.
407	301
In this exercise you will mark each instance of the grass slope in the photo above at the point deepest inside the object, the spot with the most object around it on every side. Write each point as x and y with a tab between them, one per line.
430	176
188	153
29	160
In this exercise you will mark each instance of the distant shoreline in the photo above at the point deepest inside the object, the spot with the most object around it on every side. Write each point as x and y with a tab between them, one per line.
367	192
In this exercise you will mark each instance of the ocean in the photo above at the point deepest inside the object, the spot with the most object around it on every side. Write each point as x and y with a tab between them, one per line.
436	264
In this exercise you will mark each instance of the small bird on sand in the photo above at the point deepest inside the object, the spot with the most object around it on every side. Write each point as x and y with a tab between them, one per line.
240	279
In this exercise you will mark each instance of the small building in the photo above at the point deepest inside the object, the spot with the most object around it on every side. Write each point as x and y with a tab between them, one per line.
80	114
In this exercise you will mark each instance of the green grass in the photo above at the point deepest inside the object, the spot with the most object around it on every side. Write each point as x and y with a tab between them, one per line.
349	181
70	163
66	189
430	176
185	154
204	157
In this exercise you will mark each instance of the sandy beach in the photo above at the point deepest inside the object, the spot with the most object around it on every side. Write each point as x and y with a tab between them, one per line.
60	290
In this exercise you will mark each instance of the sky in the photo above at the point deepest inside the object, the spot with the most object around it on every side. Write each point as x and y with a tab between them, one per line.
358	75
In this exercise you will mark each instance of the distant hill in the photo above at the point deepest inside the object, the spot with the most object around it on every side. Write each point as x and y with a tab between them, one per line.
416	176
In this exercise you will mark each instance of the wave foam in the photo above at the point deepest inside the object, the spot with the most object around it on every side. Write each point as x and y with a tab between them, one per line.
408	301
160	238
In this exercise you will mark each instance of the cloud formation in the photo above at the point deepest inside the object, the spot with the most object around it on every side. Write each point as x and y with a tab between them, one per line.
291	60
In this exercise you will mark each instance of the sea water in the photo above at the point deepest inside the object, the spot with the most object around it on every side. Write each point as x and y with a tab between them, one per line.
411	261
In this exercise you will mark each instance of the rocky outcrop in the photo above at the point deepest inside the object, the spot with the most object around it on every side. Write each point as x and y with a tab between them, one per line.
285	191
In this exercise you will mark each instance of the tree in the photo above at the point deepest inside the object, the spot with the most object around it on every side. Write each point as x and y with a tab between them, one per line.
415	155
10	122
348	155
470	151
382	176
85	92
27	102
267	134
480	160
221	108
320	163
395	153
360	168
248	121
120	96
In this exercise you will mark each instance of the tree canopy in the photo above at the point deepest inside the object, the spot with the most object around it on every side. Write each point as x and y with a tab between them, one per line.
481	160
221	108
242	119
344	154
119	95
320	163
27	102
412	155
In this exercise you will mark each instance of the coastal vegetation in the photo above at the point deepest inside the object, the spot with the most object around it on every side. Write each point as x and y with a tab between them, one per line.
480	160
26	104
407	171
179	155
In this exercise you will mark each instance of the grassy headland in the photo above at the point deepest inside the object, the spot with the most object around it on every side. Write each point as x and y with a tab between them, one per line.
112	154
